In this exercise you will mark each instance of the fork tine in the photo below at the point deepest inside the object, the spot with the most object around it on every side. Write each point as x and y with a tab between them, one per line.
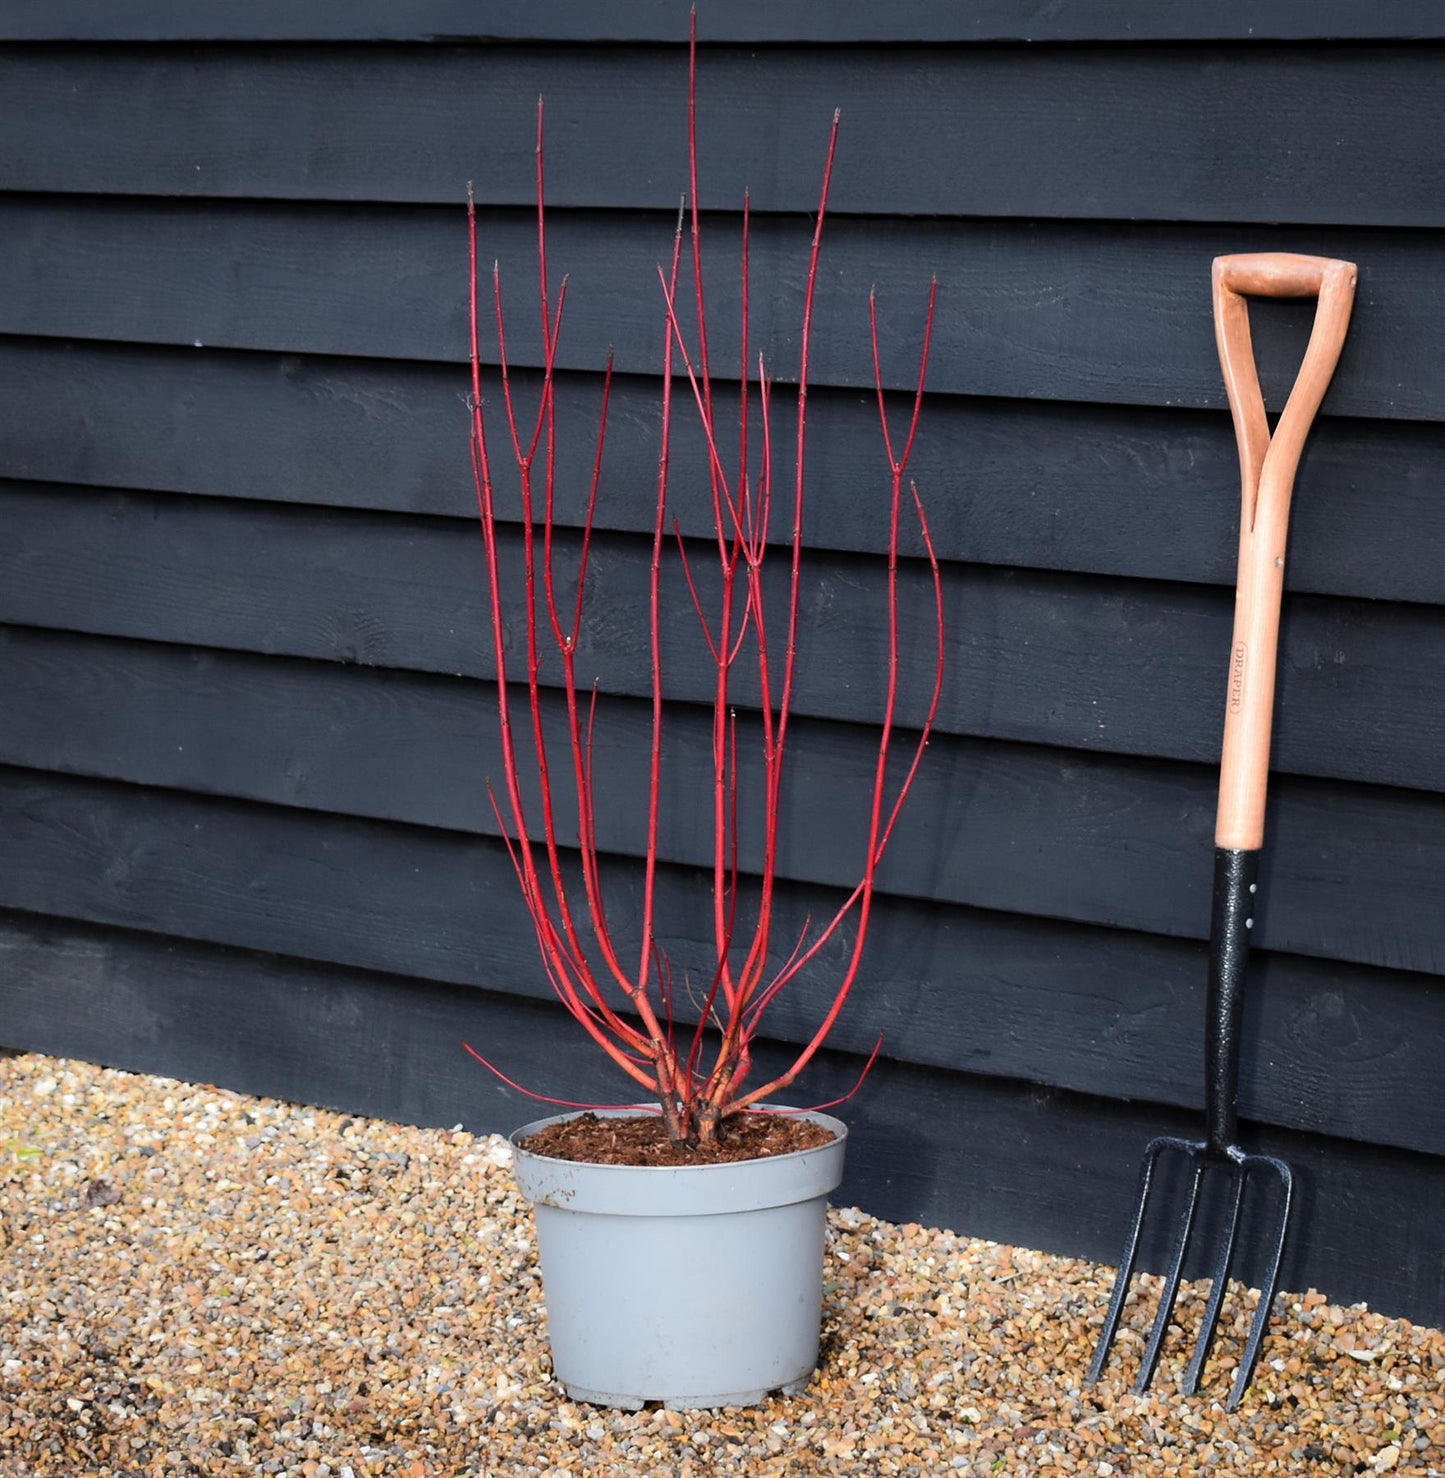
1239	1166
1220	1283
1125	1275
1250	1357
1169	1294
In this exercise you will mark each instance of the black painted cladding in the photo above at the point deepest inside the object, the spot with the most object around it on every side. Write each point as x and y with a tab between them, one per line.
1359	678
243	830
1094	312
1197	133
1049	485
762	22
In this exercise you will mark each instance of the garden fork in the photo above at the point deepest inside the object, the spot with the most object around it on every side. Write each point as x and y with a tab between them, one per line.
1268	468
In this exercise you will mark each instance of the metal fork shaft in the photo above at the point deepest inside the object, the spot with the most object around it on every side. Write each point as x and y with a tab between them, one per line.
1236	892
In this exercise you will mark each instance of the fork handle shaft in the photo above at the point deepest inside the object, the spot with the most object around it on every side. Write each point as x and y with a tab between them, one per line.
1236	893
1267	470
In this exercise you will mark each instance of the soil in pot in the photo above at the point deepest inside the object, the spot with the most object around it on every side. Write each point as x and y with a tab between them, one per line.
594	1139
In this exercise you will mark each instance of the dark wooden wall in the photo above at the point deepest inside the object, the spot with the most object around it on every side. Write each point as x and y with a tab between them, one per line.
243	830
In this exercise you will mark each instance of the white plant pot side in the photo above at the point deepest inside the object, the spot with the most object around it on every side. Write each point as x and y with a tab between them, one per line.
696	1286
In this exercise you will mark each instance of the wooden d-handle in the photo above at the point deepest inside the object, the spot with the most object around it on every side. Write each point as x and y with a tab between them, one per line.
1267	470
1280	274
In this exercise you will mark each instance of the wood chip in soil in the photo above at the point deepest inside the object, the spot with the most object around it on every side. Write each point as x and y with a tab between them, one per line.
202	1283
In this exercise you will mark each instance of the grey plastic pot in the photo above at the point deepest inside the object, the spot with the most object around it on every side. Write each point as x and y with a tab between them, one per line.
695	1286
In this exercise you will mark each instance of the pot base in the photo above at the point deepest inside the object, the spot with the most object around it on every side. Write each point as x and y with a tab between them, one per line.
684	1403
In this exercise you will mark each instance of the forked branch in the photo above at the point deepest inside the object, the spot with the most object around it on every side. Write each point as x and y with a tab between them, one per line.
629	1012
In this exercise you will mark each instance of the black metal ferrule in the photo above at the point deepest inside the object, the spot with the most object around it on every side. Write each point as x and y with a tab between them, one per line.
1231	923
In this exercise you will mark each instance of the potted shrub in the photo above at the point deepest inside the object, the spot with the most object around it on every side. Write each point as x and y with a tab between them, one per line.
681	1238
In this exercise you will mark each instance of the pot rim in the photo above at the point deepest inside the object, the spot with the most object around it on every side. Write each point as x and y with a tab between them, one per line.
837	1127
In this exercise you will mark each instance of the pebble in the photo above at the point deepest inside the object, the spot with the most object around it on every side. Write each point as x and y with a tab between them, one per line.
202	1282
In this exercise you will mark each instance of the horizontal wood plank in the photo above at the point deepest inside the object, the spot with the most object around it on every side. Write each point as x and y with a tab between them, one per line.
1109	313
762	21
1328	1047
1041	658
1136	492
1351	872
984	1156
1203	134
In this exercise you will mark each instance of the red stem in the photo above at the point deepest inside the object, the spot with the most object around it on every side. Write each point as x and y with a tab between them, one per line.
491	1067
692	1102
878	833
775	739
654	619
556	958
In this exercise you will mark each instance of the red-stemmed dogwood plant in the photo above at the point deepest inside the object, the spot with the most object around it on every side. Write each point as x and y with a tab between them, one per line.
701	1076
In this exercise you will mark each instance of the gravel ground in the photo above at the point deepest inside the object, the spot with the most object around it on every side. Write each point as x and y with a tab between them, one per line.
204	1283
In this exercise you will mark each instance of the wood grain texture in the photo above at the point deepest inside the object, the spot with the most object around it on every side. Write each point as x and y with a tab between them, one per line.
1268	463
1109	312
1078	663
763	21
1091	488
1353	872
1166	133
1022	1164
1329	1047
